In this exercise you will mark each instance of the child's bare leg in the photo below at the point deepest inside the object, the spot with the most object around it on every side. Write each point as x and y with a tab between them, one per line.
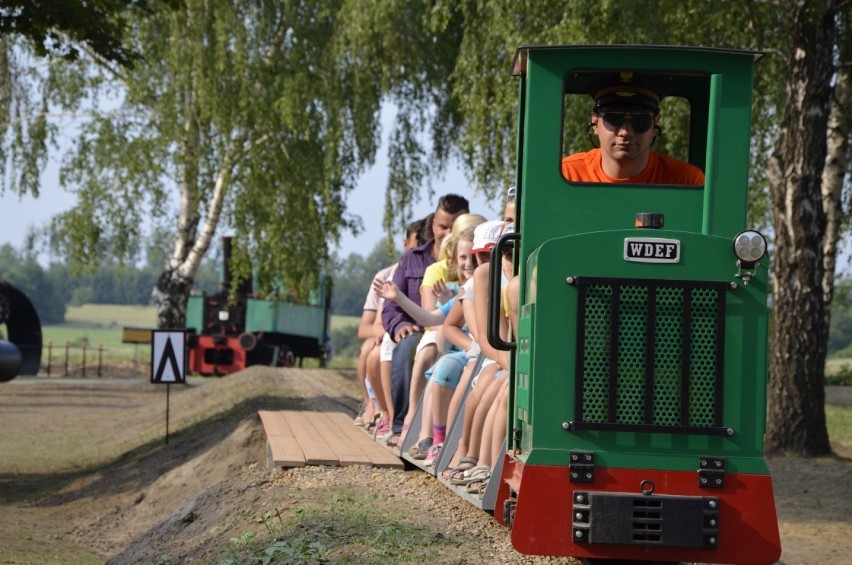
361	368
473	398
489	394
458	394
441	397
487	431
374	375
426	412
385	370
501	420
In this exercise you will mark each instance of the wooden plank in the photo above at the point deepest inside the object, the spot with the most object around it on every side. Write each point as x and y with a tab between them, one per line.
295	439
378	455
284	450
274	423
347	452
315	448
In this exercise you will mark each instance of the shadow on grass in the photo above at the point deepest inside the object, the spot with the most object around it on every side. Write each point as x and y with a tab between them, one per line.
136	469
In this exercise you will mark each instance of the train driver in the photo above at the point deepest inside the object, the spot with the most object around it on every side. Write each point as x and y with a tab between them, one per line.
625	119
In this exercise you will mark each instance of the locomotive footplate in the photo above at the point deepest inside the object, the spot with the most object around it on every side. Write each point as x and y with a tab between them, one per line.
646	519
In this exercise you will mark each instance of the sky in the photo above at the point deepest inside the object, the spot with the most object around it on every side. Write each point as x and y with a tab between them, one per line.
18	215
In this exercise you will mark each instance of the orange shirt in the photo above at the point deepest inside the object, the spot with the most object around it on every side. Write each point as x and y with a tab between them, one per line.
661	169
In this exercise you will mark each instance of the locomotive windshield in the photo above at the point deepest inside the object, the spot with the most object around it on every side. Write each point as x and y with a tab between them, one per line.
621	114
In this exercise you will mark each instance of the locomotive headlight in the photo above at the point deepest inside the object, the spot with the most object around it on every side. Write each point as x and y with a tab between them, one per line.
749	246
223	315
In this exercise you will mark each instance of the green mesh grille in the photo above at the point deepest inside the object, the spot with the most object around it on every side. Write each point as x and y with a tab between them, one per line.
646	327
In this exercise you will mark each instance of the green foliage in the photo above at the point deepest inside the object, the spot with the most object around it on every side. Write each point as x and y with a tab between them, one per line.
298	550
842	376
352	531
26	133
53	29
261	116
346	345
65	27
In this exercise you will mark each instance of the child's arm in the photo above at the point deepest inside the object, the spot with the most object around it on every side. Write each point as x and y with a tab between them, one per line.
389	291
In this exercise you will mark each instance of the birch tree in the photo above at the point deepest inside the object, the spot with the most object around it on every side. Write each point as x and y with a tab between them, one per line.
253	113
806	211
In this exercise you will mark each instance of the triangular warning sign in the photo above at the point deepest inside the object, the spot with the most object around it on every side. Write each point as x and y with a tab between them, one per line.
167	362
161	376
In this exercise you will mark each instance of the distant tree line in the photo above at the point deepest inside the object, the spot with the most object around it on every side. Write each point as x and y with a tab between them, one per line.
54	287
51	289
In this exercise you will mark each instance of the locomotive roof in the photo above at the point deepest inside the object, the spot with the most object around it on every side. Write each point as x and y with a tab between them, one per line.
519	61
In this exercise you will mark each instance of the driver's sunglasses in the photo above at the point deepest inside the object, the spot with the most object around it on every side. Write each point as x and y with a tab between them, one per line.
640	122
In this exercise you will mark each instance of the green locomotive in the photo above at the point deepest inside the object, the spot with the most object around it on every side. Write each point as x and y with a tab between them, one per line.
638	400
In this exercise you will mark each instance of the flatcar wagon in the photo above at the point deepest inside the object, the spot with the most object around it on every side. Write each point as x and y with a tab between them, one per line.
638	401
229	336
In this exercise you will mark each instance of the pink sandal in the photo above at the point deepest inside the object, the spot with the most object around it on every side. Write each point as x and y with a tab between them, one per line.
382	428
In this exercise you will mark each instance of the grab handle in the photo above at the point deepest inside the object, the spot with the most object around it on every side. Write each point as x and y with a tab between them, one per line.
495	297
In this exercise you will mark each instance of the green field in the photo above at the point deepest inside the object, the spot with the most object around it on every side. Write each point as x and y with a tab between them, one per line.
98	327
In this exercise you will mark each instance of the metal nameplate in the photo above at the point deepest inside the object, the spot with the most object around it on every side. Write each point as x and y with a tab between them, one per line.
651	250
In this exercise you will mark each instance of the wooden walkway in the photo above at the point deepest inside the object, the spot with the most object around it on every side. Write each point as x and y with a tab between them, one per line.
296	438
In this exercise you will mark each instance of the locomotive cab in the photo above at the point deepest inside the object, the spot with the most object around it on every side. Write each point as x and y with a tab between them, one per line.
638	399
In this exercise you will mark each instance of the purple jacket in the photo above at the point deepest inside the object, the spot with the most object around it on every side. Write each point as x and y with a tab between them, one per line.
408	277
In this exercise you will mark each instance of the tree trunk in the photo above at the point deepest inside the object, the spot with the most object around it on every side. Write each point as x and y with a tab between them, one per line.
796	396
171	294
835	172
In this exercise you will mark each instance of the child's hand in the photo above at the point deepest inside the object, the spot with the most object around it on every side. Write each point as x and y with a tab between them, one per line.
386	289
442	293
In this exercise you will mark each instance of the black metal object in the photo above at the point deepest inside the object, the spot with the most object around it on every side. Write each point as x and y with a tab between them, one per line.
10	360
646	519
711	472
495	301
24	334
581	468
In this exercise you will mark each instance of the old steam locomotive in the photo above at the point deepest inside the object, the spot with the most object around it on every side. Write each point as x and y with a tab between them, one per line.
226	337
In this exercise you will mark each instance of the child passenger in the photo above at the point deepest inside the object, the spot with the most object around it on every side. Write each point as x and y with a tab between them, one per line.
458	270
490	385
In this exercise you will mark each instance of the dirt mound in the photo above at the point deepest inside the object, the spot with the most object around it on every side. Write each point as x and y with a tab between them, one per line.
207	462
204	509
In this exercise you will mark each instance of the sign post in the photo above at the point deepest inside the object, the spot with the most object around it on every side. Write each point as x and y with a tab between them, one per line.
168	361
